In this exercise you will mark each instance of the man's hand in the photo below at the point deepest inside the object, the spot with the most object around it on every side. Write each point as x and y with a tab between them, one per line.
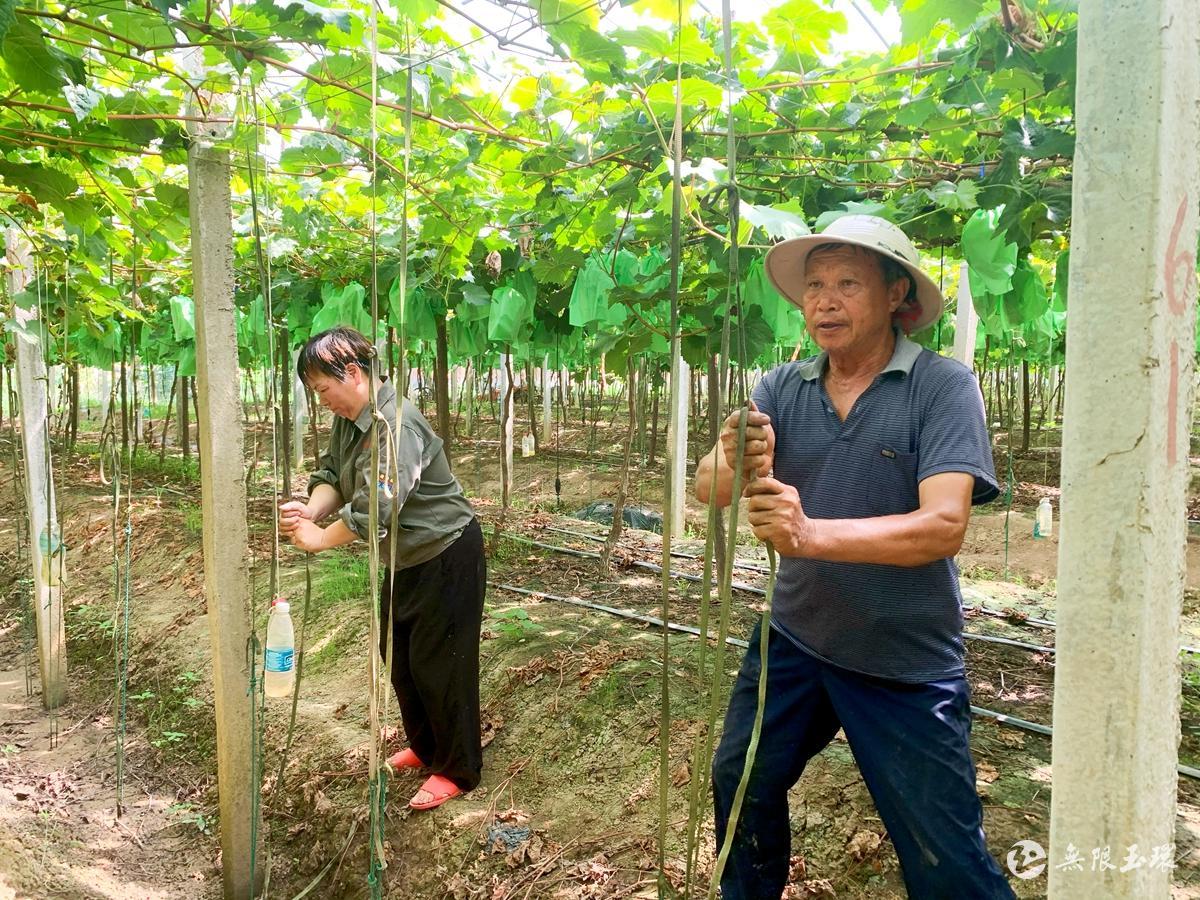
759	454
307	536
291	514
777	516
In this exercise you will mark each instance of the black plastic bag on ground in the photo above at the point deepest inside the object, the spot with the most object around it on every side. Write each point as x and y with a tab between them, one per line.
601	511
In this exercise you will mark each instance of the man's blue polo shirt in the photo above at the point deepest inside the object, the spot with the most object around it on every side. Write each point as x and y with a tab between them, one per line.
922	415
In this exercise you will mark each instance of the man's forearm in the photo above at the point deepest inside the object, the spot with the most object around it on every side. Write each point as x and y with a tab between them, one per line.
704	478
324	500
911	539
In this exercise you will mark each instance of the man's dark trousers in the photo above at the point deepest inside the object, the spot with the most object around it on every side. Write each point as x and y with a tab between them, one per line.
911	745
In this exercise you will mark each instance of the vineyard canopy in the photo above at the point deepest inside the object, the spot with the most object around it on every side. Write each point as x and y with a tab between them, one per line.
538	185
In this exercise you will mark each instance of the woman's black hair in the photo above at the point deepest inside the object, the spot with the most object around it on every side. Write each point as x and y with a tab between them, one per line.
331	352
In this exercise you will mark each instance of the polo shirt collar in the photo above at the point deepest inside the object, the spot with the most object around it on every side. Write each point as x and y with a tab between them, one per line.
387	394
904	355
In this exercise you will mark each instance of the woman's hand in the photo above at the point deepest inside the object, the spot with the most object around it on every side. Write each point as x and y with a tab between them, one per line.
307	536
291	514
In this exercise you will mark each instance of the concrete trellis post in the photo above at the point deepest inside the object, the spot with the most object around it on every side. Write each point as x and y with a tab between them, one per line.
46	544
1125	450
223	503
677	441
966	322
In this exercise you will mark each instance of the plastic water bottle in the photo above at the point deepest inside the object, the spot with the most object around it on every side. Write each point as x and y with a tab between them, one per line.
1043	525
279	669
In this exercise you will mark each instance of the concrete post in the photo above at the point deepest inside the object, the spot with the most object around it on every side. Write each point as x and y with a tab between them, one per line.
47	552
966	322
677	441
223	503
1125	451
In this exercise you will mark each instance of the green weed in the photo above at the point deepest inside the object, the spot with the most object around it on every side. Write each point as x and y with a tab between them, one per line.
512	624
193	518
189	815
176	714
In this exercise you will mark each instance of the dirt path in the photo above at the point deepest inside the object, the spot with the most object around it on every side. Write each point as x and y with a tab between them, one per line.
568	806
59	834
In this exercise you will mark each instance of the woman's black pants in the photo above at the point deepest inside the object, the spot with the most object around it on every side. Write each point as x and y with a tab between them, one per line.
436	613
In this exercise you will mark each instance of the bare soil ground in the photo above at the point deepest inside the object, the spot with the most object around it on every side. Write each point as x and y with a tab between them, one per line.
568	807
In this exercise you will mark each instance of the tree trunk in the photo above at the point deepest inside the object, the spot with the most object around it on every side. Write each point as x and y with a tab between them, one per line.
196	410
714	407
441	383
1025	406
73	436
506	450
124	407
614	533
284	421
654	424
531	403
314	411
391	360
162	447
471	389
185	437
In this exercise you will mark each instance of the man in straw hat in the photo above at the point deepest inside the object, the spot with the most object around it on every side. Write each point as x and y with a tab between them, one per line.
866	460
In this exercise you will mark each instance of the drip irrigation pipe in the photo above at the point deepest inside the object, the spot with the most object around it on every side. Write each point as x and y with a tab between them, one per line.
678	554
612	610
567	453
980	608
998	717
1047	623
751	589
999	614
636	564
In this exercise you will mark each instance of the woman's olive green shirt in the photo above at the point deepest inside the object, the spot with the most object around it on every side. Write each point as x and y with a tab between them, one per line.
413	476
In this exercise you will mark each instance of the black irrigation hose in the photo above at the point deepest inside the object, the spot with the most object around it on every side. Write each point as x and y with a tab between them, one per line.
636	564
678	554
998	717
751	589
1046	623
612	610
967	607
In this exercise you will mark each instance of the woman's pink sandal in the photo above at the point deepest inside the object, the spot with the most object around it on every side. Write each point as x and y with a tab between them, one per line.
405	759
439	790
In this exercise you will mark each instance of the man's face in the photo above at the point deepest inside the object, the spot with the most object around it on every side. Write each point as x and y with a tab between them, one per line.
342	398
847	305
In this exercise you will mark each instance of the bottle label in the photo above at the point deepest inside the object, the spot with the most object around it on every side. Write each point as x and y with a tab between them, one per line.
279	660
